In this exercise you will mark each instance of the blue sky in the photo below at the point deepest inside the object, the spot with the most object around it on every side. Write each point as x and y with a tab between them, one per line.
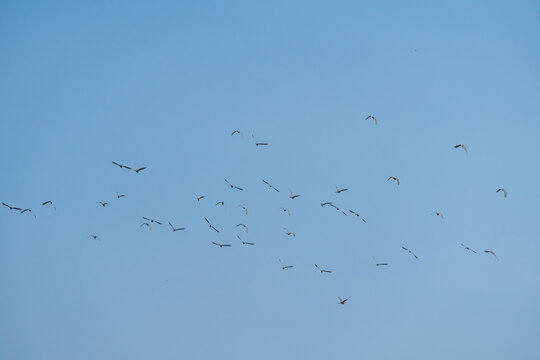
165	83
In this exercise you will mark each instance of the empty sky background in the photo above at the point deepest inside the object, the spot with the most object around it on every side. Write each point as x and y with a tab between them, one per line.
164	84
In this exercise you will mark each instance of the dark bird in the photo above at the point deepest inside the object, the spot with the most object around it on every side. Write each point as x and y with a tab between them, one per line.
492	253
463	146
244	242
258	143
410	252
342	301
152	220
121	166
339	191
293	196
28	210
210	225
49	202
372	117
283	267
176	229
438	214
378	263
286	210
244	208
358	215
118	196
244	226
233	186
468	248
326	203
236	132
199	198
222	203
322	270
288	232
504	191
220	245
147	225
393	178
137	169
12	207
103	203
270	185
95	237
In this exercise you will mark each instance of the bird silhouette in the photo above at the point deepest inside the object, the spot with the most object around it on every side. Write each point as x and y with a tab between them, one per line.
504	191
233	186
176	229
492	253
49	202
286	210
95	237
438	214
410	252
119	196
210	225
393	178
147	225
244	226
244	208
258	143
462	146
12	207
103	203
235	132
283	267
121	166
372	117
29	211
199	198
342	301
339	191
288	232
378	263
468	248
293	196
358	215
152	221
221	245
270	185
322	270
244	242
137	170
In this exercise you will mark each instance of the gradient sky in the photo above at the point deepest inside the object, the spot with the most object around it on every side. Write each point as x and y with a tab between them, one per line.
164	83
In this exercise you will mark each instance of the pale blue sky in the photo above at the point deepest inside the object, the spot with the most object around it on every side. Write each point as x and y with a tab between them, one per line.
164	83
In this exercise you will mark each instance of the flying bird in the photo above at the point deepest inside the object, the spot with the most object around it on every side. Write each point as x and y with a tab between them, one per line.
322	270
288	232
147	225
221	245
121	166
410	252
244	242
270	185
462	146
393	178
378	263
504	191
244	226
137	170
210	225
327	203
342	301
95	237
152	220
492	253
339	191
176	229
283	267
11	207
103	203
438	214
199	198
372	117
236	132
293	196
222	203
258	143
244	208
49	202
28	210
118	196
468	248
286	210
233	186
358	215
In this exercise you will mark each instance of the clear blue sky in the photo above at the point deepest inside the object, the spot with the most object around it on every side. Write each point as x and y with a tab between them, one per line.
164	83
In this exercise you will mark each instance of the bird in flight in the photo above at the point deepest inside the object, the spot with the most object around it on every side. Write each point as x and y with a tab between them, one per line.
293	196
358	215
244	226
327	203
244	242
210	225
199	198
152	220
283	267
137	170
233	186
221	245
244	208
236	132
288	232
438	214
258	143
322	270
468	248
176	229
121	166
222	203
372	117
95	237
269	185
462	146
28	210
103	203
393	178
339	191
378	263
147	225
118	196
286	210
49	202
11	207
342	301
504	191
410	252
492	253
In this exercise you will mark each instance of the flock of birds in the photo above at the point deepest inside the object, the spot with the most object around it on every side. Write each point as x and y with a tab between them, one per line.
148	222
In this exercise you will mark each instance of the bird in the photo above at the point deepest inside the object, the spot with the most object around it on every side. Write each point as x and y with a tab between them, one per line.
378	263
326	203
372	117
438	214
222	203
504	191
270	185
410	252
258	143
393	178
463	146
342	301
152	220
233	186
358	215
137	170
199	198
244	226
28	210
283	267
339	191
322	270
210	225
244	242
11	207
176	229
468	248
121	166
95	237
492	253
103	203
118	196
288	232
221	245
49	202
244	208
286	210
147	225
293	196
236	132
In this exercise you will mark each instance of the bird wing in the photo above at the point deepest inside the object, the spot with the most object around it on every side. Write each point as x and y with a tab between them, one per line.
238	188
207	221
397	179
465	148
266	182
